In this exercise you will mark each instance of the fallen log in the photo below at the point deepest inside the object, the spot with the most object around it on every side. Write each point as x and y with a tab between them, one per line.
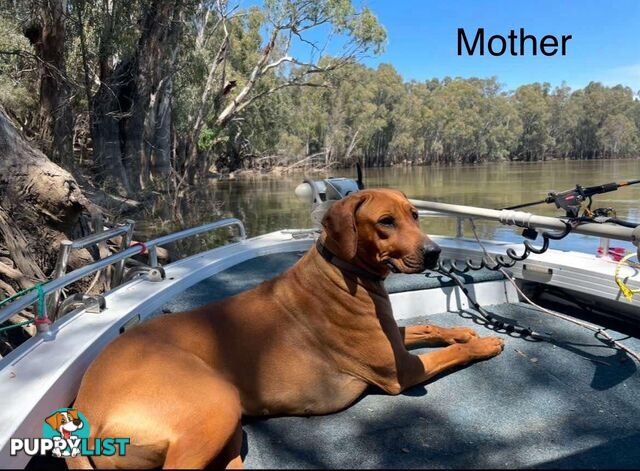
41	204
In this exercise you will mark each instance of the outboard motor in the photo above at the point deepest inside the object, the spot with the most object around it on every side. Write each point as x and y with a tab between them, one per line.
321	194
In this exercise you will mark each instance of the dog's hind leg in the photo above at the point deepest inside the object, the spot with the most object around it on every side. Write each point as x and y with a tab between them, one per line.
205	449
176	410
213	438
79	462
431	335
230	457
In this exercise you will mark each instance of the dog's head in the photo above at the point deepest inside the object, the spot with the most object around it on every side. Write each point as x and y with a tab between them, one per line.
379	231
65	422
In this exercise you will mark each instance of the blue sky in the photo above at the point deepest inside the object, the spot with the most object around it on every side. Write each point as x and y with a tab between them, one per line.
422	39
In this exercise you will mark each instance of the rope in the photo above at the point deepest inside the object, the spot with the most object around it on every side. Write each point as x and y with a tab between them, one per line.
19	324
141	244
39	307
626	291
599	331
40	300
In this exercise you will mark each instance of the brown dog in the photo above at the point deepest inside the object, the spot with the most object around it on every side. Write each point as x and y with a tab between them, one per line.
307	342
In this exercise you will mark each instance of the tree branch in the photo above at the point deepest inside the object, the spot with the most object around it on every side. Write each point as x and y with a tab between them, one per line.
256	73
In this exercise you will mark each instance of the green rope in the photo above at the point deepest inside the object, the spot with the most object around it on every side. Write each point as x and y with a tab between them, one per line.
19	324
39	307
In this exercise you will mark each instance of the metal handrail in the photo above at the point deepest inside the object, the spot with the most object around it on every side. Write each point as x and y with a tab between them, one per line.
98	237
66	246
59	283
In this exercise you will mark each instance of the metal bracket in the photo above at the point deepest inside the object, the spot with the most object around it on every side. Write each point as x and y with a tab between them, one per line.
459	228
154	274
65	279
635	240
94	303
302	233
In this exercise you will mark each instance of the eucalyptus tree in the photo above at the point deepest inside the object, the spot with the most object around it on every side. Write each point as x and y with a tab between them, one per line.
162	92
134	57
43	25
532	105
618	135
285	24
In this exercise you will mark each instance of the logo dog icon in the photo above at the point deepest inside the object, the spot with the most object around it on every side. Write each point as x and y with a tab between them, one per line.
66	423
66	433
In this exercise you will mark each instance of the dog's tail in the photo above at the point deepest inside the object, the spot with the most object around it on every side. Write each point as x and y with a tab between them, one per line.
79	462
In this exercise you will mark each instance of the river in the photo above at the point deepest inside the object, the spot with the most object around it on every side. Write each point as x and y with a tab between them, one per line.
267	203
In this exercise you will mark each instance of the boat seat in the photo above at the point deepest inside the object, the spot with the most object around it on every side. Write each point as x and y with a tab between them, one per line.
248	274
400	282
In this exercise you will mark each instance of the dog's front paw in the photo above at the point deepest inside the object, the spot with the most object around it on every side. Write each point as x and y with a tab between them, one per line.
56	452
75	452
459	335
485	347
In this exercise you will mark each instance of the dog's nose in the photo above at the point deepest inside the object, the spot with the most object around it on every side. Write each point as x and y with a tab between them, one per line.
431	253
77	422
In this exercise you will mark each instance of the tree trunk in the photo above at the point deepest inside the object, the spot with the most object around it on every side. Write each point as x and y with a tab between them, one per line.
156	54
55	121
107	111
132	109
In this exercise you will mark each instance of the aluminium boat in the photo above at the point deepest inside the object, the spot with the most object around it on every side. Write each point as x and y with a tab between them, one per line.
563	394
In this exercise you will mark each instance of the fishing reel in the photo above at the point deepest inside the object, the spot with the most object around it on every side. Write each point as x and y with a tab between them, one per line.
321	194
579	199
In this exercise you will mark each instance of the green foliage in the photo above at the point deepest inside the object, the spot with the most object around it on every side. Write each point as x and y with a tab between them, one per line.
618	135
318	103
532	105
207	139
375	116
17	76
361	27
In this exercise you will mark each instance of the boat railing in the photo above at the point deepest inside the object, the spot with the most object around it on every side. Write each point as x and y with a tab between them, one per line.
125	231
527	220
54	286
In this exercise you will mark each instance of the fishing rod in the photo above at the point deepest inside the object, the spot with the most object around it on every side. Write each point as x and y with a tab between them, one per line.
572	200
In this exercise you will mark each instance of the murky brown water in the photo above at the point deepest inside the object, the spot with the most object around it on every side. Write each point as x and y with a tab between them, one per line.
268	203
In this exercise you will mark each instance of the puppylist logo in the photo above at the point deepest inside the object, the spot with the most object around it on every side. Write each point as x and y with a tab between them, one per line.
65	433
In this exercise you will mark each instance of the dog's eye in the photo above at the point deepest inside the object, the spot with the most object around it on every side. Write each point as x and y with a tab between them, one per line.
415	215
387	221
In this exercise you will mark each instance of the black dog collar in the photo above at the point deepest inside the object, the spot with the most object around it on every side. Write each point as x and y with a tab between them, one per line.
343	265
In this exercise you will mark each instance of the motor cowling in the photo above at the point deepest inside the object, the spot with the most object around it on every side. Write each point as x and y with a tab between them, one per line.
321	194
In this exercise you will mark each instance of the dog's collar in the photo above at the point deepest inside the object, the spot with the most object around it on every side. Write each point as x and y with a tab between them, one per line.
333	259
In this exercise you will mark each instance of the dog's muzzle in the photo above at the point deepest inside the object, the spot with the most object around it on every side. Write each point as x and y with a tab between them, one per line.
431	253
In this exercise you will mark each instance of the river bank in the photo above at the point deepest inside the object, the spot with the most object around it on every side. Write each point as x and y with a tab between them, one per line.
279	170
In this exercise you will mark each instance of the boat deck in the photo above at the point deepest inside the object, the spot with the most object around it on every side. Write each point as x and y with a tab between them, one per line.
569	403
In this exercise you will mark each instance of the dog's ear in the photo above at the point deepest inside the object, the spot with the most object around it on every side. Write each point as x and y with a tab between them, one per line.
54	420
339	224
73	413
